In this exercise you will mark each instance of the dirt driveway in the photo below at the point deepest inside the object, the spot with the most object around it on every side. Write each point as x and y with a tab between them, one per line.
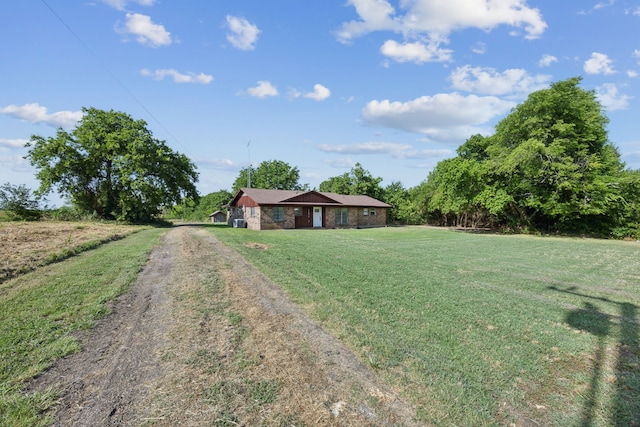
204	338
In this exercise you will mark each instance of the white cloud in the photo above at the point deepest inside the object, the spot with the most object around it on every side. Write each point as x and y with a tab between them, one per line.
599	63
636	54
295	93
376	15
122	4
13	143
547	60
243	34
488	81
611	99
366	148
263	90
427	24
444	116
223	164
398	151
630	153
342	163
479	48
36	113
456	135
632	74
319	93
15	163
415	52
427	154
145	31
602	5
177	76
440	18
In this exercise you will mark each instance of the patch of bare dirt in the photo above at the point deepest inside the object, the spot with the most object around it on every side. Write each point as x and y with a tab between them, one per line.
255	245
205	339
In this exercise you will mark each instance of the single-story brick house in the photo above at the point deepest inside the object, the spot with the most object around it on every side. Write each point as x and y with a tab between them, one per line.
286	209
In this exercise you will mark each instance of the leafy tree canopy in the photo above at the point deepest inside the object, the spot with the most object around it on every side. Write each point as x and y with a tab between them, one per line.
112	165
358	181
549	166
270	174
200	211
403	208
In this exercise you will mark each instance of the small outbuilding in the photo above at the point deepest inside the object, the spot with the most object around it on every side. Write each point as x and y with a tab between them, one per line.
218	217
261	209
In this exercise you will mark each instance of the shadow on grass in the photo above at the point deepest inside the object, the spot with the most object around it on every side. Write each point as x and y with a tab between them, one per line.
626	402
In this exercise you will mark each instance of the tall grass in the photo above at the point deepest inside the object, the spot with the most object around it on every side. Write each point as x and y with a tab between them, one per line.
39	311
474	329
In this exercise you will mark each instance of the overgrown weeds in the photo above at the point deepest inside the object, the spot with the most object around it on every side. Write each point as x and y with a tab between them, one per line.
25	246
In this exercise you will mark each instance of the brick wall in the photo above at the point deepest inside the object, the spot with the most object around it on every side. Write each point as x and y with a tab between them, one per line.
253	221
357	218
263	218
269	224
377	219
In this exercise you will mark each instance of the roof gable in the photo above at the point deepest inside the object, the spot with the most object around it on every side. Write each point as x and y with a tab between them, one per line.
295	197
310	197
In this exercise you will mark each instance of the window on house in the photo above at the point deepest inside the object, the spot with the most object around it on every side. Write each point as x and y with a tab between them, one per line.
253	211
297	211
278	214
373	211
342	216
365	211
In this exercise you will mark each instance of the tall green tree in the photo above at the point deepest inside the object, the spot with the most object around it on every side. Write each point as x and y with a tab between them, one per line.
340	184
200	211
358	181
549	166
552	155
419	196
242	180
403	210
629	226
112	165
270	174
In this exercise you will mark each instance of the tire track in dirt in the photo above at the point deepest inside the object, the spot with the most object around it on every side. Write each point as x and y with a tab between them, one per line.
349	387
102	384
175	338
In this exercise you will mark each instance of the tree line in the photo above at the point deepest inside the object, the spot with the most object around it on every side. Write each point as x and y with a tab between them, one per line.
549	167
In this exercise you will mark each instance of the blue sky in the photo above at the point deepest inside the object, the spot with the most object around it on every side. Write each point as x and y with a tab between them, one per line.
319	84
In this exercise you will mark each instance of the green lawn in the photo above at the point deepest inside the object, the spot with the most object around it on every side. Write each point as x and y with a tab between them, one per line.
474	329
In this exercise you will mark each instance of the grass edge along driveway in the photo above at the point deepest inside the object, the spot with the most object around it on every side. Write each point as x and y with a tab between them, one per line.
40	310
473	329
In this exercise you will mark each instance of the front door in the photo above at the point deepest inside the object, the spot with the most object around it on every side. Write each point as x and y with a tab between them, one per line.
317	216
304	218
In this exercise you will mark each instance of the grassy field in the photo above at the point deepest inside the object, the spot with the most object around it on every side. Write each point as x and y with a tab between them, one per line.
25	246
474	329
40	310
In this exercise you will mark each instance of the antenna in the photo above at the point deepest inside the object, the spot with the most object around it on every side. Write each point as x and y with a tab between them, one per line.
249	168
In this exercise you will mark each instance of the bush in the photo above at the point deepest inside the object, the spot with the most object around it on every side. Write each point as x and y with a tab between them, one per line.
18	203
68	213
